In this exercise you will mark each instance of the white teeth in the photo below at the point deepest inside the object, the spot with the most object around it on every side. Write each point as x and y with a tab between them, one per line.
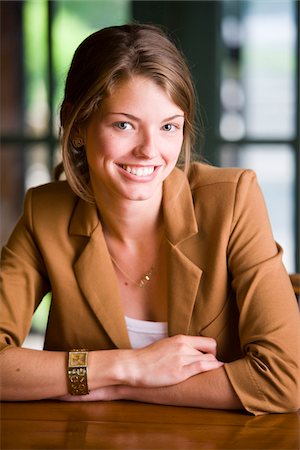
139	171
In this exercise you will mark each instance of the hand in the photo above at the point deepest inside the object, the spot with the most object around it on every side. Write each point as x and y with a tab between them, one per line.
169	361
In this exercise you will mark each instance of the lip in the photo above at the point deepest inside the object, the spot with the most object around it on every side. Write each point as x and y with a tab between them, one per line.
138	178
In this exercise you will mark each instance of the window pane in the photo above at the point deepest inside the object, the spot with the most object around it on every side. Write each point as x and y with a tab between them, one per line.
268	66
275	169
258	68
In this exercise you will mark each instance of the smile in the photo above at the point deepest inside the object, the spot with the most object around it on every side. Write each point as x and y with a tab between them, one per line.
138	170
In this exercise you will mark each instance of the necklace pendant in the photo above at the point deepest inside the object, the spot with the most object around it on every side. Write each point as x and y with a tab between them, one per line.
146	278
140	283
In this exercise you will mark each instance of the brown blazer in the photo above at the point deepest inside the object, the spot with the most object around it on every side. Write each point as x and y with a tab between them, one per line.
226	279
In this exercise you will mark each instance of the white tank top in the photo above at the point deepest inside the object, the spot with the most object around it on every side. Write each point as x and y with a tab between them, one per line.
143	332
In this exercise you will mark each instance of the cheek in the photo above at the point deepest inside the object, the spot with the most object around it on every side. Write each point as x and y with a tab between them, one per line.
173	149
97	147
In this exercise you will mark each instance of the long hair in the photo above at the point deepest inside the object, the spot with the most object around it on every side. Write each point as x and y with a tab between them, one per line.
99	64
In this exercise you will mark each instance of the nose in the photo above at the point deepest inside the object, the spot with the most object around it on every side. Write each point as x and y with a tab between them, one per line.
147	146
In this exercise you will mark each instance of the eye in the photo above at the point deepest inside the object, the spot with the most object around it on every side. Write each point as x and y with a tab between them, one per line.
169	127
123	125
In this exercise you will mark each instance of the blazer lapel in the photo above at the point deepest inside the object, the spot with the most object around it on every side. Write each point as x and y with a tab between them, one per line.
184	274
183	286
96	276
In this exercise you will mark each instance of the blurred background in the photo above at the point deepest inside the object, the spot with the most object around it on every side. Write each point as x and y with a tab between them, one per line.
244	56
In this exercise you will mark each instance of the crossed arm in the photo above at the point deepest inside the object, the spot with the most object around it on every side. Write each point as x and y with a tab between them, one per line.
181	370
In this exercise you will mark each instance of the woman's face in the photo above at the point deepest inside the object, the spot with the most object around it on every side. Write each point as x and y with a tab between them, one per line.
134	141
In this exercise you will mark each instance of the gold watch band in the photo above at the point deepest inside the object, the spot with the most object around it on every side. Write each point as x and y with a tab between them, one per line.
77	372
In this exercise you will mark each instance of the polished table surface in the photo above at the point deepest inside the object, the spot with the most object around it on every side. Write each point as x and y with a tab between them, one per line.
128	425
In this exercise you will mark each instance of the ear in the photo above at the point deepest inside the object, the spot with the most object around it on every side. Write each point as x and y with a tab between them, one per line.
77	136
78	142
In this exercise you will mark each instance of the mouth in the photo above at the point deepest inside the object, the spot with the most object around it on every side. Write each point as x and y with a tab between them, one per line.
138	171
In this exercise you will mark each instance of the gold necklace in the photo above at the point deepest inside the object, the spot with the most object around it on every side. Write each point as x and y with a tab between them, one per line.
142	282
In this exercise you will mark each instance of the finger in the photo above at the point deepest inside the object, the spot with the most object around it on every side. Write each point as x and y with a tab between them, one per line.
194	358
202	366
207	345
201	343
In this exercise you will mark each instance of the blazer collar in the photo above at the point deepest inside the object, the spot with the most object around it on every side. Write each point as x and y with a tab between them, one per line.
178	207
98	281
84	219
183	265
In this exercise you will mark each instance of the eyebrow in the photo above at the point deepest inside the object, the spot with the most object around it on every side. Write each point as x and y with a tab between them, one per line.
132	117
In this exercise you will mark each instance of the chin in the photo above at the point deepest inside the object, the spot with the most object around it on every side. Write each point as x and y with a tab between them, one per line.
142	195
138	197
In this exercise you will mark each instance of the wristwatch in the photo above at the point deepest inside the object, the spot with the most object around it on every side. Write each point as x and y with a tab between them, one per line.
77	372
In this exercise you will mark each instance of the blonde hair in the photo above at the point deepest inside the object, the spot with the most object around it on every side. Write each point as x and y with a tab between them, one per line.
103	60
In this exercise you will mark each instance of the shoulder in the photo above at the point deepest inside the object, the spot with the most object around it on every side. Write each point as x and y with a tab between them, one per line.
202	175
221	184
223	190
52	190
53	195
54	207
50	202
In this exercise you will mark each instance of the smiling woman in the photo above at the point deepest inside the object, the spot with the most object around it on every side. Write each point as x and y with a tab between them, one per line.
167	285
145	58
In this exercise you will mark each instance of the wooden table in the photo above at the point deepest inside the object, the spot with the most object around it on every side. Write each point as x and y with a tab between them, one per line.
129	425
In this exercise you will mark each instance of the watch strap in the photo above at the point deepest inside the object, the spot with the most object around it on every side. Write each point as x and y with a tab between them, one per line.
77	372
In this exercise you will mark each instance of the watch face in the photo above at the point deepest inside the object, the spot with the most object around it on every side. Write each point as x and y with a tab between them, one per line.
78	359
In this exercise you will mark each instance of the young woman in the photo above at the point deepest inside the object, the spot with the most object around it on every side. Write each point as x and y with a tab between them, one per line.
167	285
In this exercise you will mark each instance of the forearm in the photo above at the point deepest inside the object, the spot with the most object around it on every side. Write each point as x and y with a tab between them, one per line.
33	375
207	390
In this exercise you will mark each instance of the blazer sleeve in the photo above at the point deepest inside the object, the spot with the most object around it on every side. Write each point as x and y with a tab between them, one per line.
267	378
23	280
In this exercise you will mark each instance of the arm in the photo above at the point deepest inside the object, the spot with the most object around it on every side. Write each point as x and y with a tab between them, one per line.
206	390
266	379
32	375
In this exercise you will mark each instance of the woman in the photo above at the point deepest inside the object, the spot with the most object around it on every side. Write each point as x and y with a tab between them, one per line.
167	285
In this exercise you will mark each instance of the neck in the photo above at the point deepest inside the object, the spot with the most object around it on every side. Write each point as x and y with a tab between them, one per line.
130	221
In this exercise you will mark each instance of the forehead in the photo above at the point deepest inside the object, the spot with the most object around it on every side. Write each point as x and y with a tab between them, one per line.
139	92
